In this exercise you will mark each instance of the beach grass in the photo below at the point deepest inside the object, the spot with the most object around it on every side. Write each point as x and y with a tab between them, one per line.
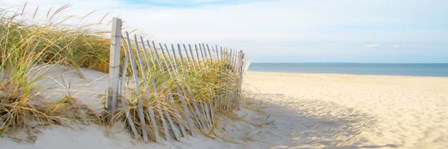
24	46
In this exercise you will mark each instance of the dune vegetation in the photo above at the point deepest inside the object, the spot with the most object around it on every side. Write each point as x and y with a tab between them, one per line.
23	46
213	84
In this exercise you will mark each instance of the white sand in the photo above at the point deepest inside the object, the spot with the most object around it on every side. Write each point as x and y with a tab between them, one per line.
360	111
283	110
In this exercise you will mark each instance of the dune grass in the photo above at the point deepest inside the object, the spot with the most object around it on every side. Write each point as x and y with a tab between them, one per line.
23	46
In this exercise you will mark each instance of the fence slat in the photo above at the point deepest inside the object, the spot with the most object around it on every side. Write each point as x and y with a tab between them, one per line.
209	53
114	66
123	102
137	90
192	55
186	53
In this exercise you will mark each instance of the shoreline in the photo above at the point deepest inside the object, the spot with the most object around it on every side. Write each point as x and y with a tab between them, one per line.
324	73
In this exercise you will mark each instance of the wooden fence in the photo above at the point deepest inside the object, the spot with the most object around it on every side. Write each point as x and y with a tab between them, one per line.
171	91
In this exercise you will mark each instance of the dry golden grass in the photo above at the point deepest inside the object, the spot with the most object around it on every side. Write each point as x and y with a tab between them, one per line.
22	46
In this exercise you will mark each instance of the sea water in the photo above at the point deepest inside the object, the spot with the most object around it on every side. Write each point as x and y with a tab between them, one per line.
422	69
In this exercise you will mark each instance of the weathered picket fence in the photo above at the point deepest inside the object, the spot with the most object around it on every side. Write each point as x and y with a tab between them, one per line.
171	91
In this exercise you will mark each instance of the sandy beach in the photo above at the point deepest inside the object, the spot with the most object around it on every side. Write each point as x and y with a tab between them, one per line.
354	111
281	110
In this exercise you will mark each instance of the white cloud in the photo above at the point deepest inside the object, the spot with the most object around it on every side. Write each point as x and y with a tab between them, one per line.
372	45
396	46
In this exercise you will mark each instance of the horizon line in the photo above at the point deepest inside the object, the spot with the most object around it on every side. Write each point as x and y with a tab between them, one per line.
349	62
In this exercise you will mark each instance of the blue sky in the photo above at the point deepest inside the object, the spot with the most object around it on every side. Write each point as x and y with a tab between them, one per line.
378	31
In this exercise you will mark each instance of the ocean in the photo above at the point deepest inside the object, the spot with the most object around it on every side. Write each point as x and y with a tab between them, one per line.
440	69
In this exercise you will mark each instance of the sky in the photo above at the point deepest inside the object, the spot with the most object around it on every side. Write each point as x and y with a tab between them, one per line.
361	31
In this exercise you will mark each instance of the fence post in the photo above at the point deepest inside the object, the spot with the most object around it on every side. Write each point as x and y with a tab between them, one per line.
114	65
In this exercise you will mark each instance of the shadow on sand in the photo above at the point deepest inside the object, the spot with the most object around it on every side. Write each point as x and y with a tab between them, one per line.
300	123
